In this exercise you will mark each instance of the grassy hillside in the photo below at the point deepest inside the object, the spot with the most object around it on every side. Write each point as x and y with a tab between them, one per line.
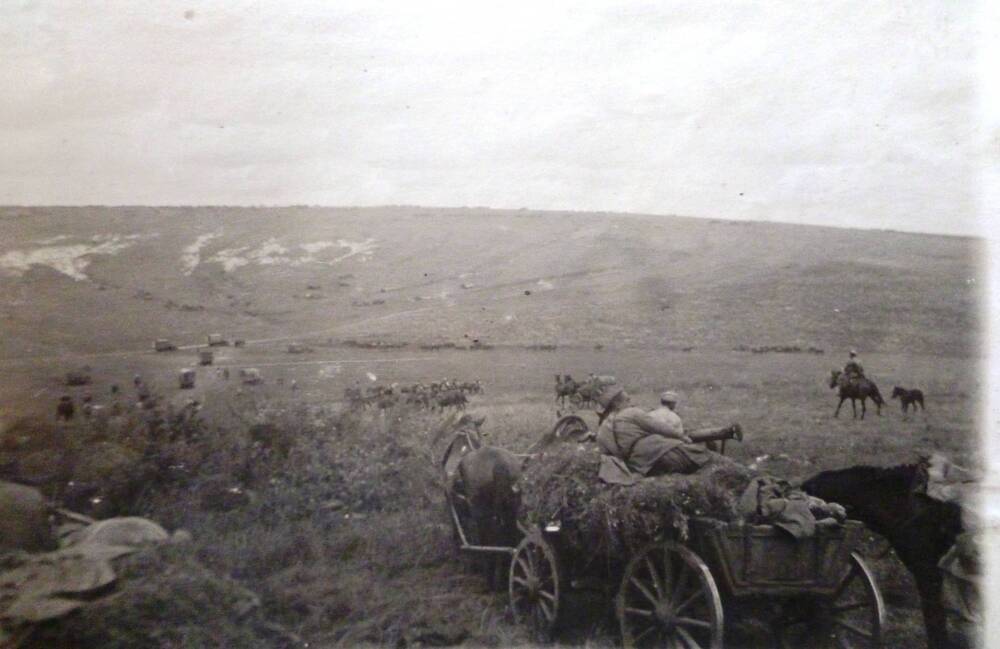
592	278
326	535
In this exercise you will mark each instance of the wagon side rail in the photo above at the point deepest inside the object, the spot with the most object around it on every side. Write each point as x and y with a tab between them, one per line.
463	540
764	560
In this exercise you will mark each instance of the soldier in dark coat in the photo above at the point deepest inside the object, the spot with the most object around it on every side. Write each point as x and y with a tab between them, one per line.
65	409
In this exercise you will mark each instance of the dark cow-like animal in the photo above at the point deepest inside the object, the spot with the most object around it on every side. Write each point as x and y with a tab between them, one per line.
920	529
565	387
455	398
908	397
65	409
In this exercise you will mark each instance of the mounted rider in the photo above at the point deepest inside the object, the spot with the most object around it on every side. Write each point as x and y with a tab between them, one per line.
853	372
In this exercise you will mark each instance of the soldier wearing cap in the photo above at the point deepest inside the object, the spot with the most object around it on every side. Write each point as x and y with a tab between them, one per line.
853	369
667	414
646	445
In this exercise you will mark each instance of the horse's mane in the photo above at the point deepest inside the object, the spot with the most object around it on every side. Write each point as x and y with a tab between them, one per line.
900	475
876	473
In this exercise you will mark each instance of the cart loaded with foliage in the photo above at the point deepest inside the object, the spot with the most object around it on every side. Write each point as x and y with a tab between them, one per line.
676	553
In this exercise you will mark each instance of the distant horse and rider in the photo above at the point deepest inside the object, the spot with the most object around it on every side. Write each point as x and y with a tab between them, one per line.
854	385
856	389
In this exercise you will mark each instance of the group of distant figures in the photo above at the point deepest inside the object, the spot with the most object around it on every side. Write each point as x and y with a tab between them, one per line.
581	394
854	385
437	395
66	408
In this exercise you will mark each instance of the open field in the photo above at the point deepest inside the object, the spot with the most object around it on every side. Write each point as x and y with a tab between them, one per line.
657	303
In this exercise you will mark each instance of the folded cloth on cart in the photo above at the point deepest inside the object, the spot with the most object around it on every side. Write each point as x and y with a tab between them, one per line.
772	501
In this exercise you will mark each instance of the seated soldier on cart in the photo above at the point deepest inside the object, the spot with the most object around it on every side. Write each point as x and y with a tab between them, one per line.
649	444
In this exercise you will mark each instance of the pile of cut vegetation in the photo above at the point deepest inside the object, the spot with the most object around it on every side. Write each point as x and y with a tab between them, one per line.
608	520
164	598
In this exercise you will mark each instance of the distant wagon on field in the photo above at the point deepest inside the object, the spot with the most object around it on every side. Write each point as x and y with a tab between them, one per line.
206	357
164	345
186	378
216	340
78	377
250	376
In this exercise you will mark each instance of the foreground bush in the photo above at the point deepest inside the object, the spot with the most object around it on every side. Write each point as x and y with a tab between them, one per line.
165	598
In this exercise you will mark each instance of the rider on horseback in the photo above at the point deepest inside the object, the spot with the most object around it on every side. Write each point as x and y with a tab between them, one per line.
853	372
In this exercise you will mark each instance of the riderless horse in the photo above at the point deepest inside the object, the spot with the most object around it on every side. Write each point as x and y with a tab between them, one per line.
908	397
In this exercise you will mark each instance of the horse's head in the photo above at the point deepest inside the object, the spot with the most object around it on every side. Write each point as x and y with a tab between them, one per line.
897	392
834	378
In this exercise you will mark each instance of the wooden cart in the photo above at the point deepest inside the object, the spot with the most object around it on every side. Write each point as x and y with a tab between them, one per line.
671	593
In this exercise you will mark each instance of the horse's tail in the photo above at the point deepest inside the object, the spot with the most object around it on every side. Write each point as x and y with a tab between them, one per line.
876	395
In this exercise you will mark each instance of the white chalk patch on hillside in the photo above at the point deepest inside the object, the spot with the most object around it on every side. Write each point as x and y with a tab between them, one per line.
70	260
51	240
191	256
272	253
317	246
230	258
365	249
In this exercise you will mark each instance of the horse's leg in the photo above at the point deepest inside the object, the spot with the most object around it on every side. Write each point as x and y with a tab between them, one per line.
935	619
837	411
863	407
854	408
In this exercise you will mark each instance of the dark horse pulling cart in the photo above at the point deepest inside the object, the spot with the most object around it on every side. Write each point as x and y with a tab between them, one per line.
671	593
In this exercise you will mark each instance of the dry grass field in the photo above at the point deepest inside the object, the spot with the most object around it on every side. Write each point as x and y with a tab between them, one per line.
342	532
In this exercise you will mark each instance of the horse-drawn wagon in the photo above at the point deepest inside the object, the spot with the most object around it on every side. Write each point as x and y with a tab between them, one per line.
675	589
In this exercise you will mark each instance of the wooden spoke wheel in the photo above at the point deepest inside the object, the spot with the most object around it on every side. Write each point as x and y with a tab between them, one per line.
534	585
852	618
570	427
668	598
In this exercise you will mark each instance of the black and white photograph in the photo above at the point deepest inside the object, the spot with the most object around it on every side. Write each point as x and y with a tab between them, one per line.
579	324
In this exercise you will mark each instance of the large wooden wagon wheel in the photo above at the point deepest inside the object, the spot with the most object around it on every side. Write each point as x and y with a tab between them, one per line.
570	427
534	585
668	598
852	618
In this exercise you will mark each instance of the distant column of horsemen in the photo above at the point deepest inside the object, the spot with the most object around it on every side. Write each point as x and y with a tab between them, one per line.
436	395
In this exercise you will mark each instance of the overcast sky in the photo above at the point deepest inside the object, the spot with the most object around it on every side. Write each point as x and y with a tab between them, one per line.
849	113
